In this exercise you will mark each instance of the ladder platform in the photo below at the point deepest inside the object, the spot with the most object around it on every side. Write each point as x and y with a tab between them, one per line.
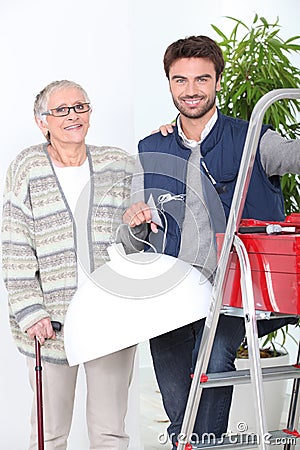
243	376
245	440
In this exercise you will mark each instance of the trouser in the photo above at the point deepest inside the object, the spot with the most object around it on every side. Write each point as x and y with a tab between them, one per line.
108	379
174	355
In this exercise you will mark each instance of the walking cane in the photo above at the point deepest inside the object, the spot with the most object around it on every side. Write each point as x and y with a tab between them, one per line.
39	388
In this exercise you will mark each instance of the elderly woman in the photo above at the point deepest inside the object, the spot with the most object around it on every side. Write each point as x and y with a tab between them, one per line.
40	260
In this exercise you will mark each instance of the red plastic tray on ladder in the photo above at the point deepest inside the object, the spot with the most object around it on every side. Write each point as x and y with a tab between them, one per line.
275	266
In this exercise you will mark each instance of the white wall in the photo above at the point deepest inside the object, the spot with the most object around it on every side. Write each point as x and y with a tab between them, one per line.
114	48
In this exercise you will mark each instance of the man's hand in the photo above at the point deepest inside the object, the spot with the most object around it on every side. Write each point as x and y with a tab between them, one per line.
165	129
137	214
42	330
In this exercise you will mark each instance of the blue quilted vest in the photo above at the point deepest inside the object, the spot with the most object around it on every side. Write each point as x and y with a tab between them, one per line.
164	161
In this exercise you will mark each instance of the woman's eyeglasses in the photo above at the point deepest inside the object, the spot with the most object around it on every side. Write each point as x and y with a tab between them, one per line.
62	111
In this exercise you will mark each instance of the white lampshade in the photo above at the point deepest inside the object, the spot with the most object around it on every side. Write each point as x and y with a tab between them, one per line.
130	299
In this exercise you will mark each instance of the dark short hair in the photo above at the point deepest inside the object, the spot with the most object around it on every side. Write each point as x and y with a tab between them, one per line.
194	47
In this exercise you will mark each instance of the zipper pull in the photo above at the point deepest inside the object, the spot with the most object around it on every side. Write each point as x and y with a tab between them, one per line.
207	172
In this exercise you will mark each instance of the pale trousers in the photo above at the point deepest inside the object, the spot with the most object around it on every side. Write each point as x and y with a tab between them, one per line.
107	379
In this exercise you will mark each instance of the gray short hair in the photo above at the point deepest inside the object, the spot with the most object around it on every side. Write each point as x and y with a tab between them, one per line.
42	99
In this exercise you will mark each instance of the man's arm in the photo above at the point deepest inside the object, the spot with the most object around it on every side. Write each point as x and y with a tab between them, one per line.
137	216
279	155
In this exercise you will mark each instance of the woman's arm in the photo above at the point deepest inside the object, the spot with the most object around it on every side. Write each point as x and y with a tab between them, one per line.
20	266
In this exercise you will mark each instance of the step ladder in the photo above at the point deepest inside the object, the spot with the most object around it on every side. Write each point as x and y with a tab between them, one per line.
263	439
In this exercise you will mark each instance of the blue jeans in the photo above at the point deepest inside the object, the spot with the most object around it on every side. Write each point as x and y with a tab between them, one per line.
174	355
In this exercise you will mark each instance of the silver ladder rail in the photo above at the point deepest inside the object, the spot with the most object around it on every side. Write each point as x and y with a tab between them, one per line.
252	339
234	219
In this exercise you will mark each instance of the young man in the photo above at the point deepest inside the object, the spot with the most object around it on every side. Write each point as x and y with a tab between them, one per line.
194	168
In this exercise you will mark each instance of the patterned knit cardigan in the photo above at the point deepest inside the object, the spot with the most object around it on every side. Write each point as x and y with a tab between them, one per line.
39	236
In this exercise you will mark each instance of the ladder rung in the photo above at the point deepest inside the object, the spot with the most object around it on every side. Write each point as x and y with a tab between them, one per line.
243	376
247	440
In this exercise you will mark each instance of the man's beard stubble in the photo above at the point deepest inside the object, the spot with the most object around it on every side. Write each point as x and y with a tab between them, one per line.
198	112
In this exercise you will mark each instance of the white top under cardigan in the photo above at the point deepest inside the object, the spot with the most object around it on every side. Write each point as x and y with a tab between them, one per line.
73	180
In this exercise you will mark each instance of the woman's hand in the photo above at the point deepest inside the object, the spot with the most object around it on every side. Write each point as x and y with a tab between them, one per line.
42	330
137	214
165	129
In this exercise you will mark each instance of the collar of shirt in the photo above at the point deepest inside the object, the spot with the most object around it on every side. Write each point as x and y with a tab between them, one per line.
190	143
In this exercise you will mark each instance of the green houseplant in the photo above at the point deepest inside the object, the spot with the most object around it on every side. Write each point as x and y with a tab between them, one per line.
257	61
